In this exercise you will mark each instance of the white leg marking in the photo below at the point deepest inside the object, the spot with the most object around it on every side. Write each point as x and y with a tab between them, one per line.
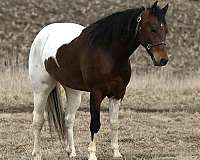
40	101
92	149
114	125
73	98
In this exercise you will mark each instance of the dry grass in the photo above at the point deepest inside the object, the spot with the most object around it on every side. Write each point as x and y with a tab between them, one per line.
157	120
164	91
159	117
165	80
15	88
159	90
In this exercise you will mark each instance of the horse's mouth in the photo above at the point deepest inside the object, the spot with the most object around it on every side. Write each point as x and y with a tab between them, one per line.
153	58
156	64
162	62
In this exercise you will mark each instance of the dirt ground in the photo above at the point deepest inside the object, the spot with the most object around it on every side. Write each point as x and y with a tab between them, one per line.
159	120
143	135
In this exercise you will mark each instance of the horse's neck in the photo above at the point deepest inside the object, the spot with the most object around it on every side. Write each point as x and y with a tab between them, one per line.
132	46
122	51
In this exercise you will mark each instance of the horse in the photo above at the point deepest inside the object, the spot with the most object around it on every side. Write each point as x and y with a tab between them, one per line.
94	59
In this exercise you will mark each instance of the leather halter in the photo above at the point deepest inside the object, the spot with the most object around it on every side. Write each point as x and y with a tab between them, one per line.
148	46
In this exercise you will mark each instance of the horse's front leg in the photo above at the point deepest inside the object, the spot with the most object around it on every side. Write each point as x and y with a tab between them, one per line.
96	98
114	125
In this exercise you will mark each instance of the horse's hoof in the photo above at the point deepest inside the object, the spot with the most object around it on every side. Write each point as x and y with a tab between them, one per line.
71	152
117	154
72	155
68	150
92	157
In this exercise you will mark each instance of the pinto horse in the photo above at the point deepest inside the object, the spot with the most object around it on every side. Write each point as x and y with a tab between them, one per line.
93	59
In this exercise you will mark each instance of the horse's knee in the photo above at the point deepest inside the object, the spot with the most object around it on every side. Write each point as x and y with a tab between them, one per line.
95	126
69	121
37	125
38	117
95	121
114	125
38	120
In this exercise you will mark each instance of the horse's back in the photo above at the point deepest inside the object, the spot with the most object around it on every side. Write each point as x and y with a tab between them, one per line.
51	37
47	41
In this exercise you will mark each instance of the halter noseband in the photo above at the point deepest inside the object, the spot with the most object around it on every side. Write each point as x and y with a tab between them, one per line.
148	46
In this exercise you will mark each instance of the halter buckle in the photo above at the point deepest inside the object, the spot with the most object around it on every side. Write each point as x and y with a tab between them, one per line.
148	46
139	19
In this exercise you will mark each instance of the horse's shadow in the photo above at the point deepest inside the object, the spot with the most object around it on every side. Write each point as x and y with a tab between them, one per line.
85	108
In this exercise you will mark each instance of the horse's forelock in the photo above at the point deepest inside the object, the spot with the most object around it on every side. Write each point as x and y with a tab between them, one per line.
157	11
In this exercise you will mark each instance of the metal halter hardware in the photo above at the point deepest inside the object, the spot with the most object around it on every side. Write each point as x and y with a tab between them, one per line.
138	23
150	46
139	19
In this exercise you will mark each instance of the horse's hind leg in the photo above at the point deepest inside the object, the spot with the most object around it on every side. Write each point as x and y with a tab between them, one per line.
40	101
114	124
73	98
38	120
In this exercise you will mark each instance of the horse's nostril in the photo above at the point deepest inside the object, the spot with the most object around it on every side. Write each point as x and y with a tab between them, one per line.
163	61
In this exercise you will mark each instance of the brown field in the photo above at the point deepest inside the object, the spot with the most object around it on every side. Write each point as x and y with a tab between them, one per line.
160	114
159	120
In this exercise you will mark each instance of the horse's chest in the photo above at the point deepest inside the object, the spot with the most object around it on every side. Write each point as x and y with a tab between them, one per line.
104	73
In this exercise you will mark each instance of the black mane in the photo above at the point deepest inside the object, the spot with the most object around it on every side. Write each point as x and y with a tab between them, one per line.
112	28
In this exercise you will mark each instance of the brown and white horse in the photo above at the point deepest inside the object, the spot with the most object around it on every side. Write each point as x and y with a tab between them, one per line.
93	59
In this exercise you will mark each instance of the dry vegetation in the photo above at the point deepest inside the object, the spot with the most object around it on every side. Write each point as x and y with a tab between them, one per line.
143	136
160	91
159	120
159	116
21	20
15	88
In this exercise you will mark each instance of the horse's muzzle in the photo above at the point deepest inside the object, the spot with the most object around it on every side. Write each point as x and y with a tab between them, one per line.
162	62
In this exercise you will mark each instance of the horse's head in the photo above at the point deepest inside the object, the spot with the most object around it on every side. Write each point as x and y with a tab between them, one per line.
152	33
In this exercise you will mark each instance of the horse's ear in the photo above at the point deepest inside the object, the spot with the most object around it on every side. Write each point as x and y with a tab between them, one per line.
164	9
153	7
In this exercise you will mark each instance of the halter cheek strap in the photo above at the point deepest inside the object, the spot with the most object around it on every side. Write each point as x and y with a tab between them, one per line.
138	24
